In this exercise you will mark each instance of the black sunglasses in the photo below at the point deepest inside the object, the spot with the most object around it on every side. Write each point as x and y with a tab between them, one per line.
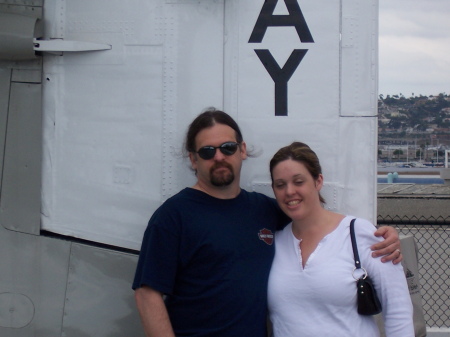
208	152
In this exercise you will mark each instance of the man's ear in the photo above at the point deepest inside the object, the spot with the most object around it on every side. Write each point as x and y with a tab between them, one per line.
243	148
193	159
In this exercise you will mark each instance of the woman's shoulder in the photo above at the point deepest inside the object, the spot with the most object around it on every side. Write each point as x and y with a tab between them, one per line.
284	234
364	229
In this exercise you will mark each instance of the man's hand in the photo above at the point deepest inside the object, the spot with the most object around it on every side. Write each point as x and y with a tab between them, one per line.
389	249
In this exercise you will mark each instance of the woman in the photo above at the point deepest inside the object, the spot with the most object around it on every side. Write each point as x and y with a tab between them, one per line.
311	290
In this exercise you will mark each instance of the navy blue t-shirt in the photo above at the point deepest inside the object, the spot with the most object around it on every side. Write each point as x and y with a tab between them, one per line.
212	259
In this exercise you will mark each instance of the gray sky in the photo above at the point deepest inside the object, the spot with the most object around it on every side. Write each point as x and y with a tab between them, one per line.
414	47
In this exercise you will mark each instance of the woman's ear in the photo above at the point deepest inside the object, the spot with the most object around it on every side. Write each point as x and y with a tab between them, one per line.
319	182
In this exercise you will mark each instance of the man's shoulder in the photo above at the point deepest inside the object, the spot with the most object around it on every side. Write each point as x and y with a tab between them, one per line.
185	193
253	195
175	202
269	207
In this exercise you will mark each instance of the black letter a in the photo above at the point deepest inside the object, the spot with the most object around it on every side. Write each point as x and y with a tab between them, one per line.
266	19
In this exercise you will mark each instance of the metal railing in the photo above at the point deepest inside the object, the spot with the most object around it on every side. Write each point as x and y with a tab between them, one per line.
432	236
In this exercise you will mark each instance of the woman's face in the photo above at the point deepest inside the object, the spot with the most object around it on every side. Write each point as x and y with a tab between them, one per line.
296	191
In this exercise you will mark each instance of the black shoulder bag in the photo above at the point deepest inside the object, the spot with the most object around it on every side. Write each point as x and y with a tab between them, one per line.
368	302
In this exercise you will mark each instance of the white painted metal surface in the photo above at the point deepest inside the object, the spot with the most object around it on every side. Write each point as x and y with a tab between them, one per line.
114	120
60	46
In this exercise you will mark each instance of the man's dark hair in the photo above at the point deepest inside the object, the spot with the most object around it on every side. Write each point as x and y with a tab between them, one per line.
207	119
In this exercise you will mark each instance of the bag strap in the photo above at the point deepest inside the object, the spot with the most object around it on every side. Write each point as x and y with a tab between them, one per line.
354	246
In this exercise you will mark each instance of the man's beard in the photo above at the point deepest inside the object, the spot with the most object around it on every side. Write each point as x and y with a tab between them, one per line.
222	179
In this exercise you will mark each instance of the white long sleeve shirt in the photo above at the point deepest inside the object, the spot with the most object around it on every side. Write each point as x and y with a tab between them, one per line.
320	299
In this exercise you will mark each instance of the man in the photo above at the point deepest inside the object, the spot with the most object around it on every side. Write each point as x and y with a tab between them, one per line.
209	248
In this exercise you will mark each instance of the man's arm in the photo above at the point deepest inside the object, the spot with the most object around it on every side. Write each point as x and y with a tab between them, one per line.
153	312
390	247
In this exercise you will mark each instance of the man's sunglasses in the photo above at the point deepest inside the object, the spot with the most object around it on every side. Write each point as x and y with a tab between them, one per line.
208	152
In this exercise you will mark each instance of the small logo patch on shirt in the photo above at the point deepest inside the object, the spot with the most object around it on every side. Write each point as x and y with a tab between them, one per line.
266	235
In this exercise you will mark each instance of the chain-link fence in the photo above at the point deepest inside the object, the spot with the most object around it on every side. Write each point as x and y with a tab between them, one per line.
432	236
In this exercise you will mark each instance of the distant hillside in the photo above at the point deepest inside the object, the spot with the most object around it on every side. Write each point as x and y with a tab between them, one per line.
419	117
